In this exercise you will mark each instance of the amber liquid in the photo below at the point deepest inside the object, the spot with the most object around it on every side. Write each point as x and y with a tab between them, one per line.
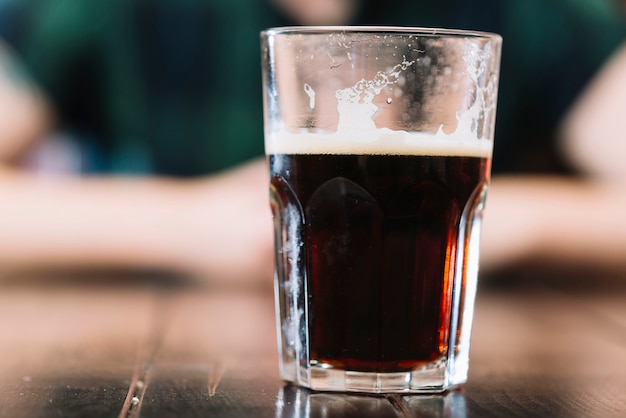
378	245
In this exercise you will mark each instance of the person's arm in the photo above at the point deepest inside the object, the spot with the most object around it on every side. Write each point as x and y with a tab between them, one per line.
26	114
593	135
218	227
570	219
554	219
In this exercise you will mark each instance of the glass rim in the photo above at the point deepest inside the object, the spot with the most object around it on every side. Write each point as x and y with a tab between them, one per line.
375	29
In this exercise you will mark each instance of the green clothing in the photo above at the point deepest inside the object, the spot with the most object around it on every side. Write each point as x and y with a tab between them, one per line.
174	86
165	86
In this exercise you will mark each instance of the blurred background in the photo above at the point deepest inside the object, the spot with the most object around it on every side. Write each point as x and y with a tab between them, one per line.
132	174
155	105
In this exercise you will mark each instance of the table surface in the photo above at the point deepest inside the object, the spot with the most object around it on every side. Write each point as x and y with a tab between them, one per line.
121	346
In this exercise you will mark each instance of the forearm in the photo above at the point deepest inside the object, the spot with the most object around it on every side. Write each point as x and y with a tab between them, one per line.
587	224
218	227
556	219
90	221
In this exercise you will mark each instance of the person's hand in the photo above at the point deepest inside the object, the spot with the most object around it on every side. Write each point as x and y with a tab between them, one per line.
512	223
229	226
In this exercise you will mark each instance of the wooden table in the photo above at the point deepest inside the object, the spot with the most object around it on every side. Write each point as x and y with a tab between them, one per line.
119	346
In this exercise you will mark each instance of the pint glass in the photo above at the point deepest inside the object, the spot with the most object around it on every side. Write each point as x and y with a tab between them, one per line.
379	143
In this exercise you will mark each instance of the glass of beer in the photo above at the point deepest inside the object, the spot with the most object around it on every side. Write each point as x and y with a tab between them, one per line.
379	144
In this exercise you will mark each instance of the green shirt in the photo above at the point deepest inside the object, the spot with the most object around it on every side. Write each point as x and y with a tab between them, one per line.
165	86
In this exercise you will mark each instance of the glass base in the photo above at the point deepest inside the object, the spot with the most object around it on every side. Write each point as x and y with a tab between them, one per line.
323	377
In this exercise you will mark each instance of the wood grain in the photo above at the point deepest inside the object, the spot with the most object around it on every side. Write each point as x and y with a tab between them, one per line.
132	349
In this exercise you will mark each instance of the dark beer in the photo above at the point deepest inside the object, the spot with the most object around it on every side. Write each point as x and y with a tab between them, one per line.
375	240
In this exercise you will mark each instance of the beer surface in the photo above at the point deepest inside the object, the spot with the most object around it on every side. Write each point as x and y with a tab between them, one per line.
376	239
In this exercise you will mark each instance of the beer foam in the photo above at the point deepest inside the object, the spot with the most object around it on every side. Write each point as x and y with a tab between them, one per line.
378	142
355	104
